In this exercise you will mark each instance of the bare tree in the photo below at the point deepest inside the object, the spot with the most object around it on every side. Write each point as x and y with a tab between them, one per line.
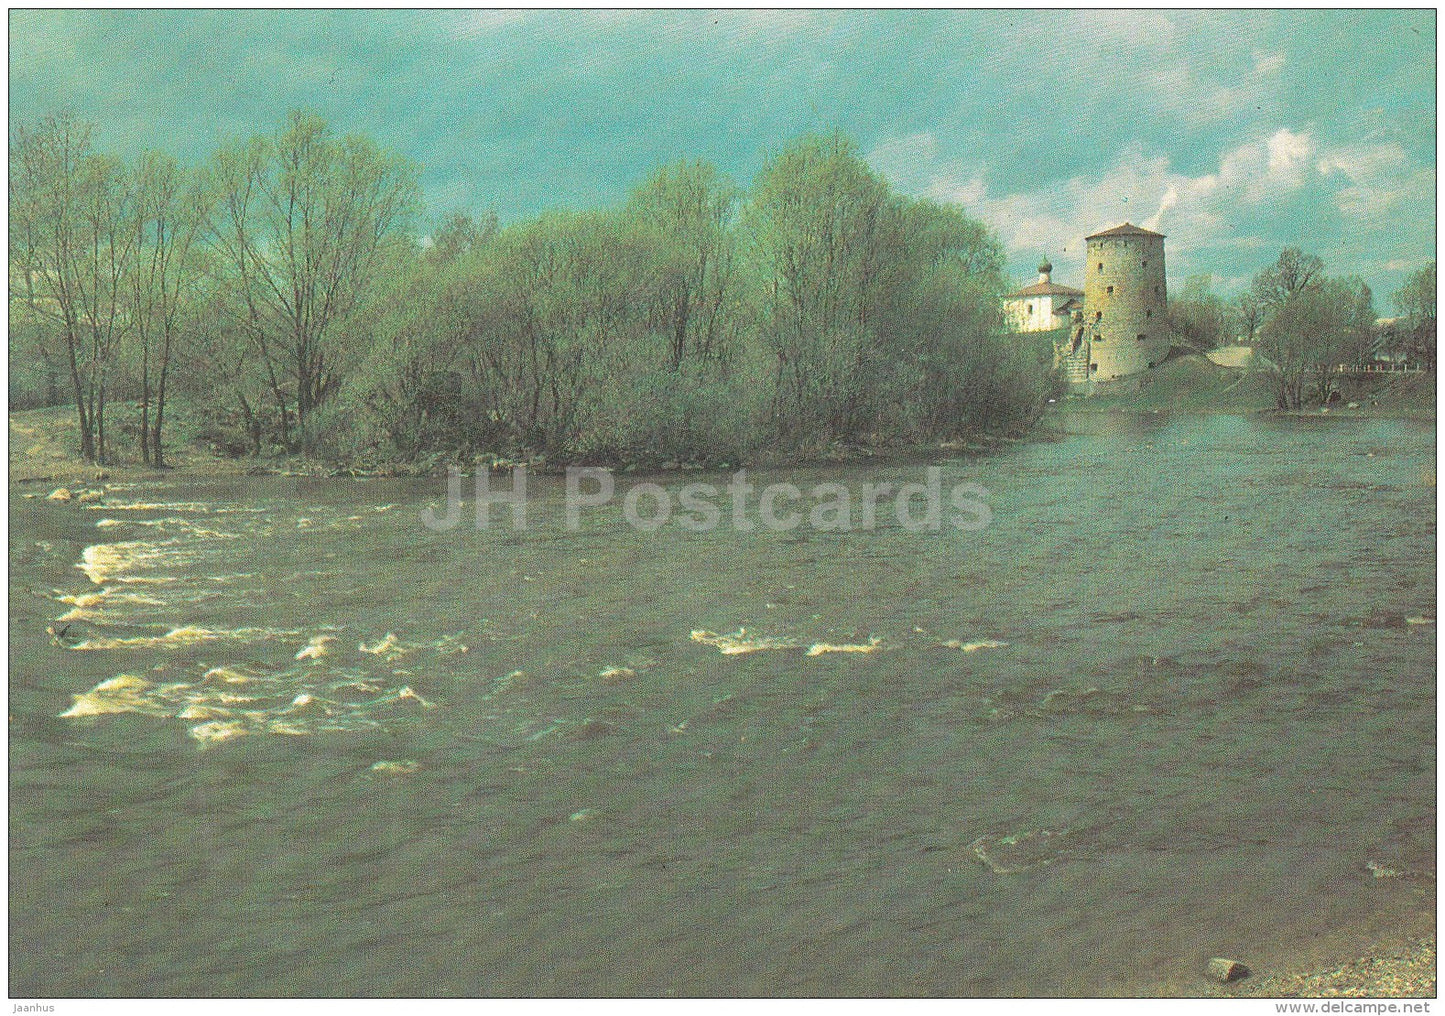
170	214
305	222
1249	312
1315	328
1294	272
70	243
1415	300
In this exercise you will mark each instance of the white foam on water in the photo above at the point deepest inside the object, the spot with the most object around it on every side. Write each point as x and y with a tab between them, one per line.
388	648
115	562
228	702
217	731
402	767
90	605
176	638
820	648
1018	852
165	525
155	506
973	647
316	648
739	642
124	693
1382	871
450	645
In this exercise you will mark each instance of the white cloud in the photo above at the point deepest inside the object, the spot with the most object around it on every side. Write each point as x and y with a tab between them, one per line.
1268	64
1195	211
1288	155
474	25
1377	180
1107	32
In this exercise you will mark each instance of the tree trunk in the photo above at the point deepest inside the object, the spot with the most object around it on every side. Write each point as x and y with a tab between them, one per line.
87	437
157	455
145	404
100	423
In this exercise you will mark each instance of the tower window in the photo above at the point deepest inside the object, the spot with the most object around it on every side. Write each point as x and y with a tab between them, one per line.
1148	312
1098	315
1142	338
1156	290
1101	266
1093	366
1110	290
1145	264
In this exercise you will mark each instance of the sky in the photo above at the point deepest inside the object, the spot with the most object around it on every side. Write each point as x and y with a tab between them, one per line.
1236	133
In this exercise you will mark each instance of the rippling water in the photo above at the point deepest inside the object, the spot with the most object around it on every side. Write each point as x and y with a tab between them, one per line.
1177	700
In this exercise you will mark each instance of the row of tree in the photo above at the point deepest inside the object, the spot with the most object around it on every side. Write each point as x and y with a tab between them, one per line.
1309	324
282	288
1306	323
249	266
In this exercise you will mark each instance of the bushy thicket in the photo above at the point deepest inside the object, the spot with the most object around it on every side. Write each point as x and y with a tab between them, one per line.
695	322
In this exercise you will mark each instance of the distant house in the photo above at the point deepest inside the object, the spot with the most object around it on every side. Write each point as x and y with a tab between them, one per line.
1388	340
1044	306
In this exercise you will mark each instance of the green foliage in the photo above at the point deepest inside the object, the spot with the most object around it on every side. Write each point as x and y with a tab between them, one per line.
1415	301
281	291
1197	318
880	313
1313	328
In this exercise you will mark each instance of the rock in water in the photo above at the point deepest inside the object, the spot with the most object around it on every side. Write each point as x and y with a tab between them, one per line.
59	494
1224	971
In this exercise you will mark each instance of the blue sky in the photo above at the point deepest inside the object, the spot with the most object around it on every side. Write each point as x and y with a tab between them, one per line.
1236	133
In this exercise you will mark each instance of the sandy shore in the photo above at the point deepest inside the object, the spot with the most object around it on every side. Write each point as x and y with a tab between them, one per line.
1406	970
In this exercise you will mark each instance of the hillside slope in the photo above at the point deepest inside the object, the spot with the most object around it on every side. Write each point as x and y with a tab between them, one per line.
1191	383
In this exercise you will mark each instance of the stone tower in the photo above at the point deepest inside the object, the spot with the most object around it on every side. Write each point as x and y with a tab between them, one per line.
1124	301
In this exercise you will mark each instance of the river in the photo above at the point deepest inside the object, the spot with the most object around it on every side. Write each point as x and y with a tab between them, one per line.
1175	700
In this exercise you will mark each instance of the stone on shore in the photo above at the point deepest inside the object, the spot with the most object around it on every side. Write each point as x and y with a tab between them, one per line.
59	494
1224	971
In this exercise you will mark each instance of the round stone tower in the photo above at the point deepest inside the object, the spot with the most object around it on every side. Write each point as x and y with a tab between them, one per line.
1124	301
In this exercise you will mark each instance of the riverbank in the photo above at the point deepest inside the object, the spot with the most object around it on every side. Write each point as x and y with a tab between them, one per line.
1404	970
44	443
1191	383
43	446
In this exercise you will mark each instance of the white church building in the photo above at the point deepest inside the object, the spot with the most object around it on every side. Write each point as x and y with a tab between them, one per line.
1043	306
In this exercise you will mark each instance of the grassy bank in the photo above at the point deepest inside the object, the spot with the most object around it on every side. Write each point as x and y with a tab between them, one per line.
1192	383
44	448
